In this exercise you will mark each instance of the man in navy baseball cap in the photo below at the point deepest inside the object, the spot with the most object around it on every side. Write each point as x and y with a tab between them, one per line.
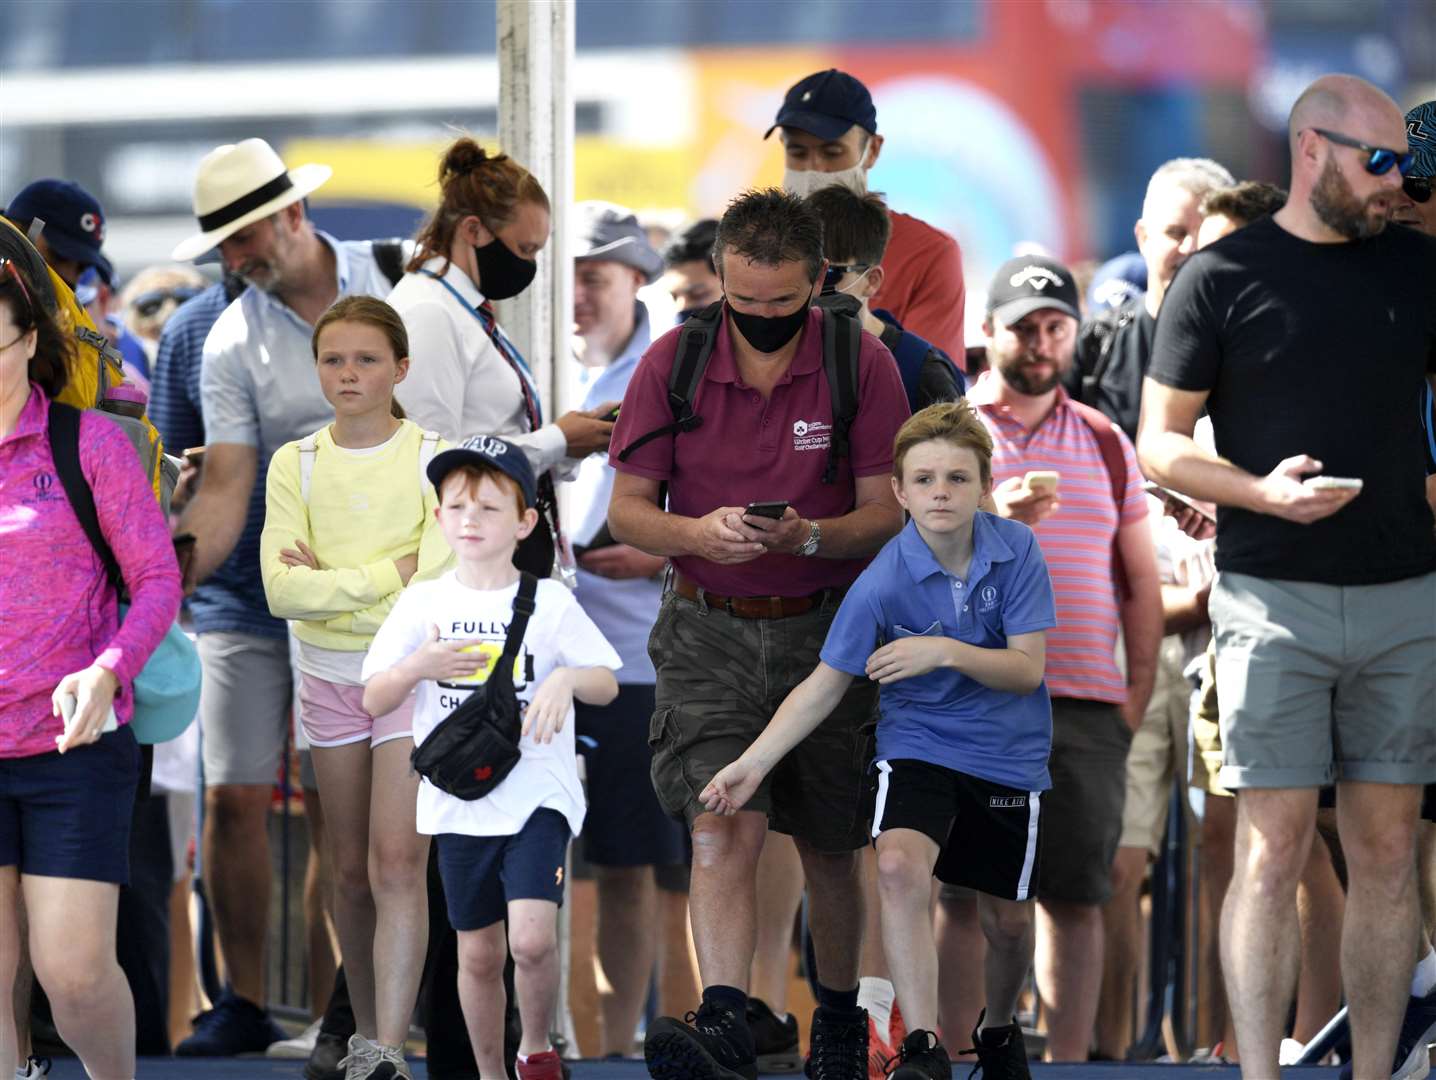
829	129
73	229
827	104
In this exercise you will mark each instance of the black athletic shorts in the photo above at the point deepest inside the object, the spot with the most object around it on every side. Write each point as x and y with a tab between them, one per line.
990	834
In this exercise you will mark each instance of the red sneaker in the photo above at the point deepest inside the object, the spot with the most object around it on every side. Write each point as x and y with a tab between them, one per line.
543	1066
897	1030
880	1051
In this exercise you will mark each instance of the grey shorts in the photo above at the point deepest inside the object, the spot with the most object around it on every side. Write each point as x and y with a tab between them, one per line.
244	707
1318	683
1082	814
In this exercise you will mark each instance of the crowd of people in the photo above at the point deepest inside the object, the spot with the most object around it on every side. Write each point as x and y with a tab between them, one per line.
808	605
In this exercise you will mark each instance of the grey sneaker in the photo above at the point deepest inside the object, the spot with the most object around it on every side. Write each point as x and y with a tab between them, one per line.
374	1061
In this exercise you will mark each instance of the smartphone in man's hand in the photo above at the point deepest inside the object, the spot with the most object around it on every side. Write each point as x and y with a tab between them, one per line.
774	510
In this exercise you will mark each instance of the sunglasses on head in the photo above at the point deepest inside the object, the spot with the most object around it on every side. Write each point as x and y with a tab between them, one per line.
1379	159
837	271
148	303
1417	188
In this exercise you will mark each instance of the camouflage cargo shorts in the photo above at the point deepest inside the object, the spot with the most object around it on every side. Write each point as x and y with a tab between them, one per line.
720	680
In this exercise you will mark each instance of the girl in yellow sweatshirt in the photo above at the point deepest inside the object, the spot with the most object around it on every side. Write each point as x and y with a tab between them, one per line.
349	520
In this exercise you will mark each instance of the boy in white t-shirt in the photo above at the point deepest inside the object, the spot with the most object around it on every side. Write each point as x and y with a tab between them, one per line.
500	856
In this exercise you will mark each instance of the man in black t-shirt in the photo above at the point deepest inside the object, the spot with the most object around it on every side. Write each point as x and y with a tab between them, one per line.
1114	346
1325	603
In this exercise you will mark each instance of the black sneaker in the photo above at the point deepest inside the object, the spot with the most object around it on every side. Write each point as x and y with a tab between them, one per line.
920	1057
775	1042
1418	1031
710	1044
839	1047
329	1050
1001	1053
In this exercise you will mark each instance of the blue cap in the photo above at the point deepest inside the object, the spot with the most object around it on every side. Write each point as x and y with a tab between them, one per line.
74	222
1116	281
827	104
1421	137
489	450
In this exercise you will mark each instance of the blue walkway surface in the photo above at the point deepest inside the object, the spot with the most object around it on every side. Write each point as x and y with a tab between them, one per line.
264	1069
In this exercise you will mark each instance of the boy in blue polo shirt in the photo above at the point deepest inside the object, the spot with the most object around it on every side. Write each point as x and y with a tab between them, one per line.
951	619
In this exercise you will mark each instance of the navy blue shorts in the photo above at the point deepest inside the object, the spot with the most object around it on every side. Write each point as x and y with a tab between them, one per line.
68	815
625	825
481	874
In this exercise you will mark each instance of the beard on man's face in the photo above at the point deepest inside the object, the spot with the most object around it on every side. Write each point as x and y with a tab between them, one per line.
1338	208
1019	372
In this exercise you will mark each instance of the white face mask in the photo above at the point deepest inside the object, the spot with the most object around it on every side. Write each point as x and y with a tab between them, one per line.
808	181
852	288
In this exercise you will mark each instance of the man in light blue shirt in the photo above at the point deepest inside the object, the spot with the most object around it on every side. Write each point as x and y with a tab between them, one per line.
626	836
950	619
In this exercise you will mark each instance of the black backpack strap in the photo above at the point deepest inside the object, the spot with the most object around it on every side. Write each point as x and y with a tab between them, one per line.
523	607
695	346
389	256
64	425
842	341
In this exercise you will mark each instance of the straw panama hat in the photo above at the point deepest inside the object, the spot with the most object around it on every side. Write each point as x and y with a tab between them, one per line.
239	184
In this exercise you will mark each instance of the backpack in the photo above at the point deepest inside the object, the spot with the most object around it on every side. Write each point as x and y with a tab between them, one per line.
166	689
1094	349
842	341
97	365
389	257
911	353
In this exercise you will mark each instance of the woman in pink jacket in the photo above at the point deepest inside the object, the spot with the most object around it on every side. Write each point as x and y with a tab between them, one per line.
67	789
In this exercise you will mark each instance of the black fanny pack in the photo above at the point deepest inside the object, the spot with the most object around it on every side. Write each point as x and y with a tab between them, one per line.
477	745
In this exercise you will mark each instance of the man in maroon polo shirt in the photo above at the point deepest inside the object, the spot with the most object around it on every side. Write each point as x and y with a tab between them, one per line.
750	605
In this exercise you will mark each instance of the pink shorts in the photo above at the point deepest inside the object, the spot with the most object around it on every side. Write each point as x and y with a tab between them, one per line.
333	715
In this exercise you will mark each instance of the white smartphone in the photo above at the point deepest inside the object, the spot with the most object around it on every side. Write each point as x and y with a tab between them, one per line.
68	705
1333	483
1041	482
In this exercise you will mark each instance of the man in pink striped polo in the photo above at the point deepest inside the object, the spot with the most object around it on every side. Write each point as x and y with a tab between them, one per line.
1092	525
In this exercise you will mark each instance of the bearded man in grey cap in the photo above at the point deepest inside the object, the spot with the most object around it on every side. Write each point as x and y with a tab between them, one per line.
628	841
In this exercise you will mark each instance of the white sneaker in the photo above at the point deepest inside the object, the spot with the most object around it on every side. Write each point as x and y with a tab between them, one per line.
298	1048
1289	1052
34	1069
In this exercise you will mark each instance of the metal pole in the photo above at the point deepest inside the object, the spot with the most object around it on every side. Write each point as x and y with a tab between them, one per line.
536	50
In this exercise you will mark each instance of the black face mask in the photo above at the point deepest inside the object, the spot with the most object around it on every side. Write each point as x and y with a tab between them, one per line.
769	333
503	274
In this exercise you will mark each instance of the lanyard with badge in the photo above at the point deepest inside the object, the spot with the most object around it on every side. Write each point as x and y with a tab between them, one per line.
537	548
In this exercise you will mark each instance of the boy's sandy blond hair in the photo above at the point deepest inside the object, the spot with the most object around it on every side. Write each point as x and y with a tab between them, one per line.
955	422
472	474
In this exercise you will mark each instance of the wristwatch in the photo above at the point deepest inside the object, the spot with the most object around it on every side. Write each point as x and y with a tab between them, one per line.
815	536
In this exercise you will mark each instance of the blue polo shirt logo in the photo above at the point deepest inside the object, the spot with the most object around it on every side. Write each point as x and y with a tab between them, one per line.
989	596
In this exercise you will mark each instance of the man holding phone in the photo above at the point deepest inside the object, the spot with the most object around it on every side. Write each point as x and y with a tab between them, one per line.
1323	602
749	608
1051	471
626	835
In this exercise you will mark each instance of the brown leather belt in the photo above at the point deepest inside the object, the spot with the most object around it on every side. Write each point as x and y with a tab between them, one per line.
751	607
